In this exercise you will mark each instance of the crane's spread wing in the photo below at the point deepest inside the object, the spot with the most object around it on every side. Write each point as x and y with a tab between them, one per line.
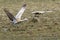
41	12
38	12
10	16
19	14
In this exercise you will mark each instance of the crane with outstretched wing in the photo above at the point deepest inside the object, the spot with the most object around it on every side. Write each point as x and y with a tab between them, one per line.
17	18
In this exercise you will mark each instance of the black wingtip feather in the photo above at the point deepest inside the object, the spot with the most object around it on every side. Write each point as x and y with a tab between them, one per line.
24	5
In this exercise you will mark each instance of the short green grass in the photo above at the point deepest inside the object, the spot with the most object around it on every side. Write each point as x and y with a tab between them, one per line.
48	27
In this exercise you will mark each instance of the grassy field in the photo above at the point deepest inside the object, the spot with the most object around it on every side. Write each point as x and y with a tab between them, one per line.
48	27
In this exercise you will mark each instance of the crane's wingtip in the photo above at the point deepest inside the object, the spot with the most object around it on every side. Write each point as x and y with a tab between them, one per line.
4	8
24	5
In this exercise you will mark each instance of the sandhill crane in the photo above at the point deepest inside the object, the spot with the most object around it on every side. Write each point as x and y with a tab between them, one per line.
17	18
37	13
